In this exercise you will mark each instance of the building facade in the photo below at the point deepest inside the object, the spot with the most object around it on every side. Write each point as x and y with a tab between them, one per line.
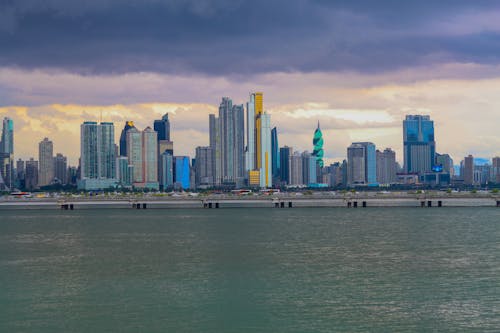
46	162
419	144
386	166
97	156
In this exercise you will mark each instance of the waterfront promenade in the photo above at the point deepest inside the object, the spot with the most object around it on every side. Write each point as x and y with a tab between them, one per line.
279	200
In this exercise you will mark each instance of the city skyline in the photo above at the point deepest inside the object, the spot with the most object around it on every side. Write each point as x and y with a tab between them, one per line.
186	142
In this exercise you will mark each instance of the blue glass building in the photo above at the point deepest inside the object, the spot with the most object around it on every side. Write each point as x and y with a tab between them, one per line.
419	144
182	171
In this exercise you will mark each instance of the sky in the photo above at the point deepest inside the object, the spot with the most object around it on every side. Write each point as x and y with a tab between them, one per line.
357	67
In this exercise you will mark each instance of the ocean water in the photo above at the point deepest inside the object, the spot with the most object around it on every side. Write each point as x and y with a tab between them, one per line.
251	270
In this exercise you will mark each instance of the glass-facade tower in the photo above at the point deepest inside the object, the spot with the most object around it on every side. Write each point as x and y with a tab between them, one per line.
419	144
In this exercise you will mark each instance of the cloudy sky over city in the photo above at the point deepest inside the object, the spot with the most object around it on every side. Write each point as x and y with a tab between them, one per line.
356	66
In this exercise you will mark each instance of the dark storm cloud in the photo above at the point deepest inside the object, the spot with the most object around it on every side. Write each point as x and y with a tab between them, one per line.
242	37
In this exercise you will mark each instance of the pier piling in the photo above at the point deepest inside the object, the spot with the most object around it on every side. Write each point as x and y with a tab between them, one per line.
422	203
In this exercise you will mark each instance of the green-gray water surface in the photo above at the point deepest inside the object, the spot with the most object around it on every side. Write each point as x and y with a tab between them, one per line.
251	270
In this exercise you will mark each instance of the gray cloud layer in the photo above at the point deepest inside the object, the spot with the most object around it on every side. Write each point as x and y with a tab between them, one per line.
233	37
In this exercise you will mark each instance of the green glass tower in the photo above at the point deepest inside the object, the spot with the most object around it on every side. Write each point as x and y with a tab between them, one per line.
318	146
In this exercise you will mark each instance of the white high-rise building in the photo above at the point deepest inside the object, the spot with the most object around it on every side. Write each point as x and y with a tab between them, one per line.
266	175
250	149
97	156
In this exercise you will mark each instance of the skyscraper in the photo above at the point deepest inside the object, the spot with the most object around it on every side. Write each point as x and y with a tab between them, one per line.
162	127
215	145
7	152
296	175
97	156
123	137
386	166
31	178
356	174
166	171
419	144
142	156
106	146
61	169
150	158
46	162
182	171
468	170
265	161
232	146
203	167
309	162
318	146
275	151
124	171
362	164
285	155
495	170
250	148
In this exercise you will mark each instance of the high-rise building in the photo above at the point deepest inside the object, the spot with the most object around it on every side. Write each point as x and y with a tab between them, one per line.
232	146
266	168
275	151
386	166
123	137
7	153
204	175
166	170
31	178
285	155
495	170
318	146
61	169
356	174
150	158
142	153
135	154
106	146
296	174
20	173
215	144
250	157
309	162
182	172
446	162
46	162
362	164
124	171
162	127
419	144
468	170
97	156
335	171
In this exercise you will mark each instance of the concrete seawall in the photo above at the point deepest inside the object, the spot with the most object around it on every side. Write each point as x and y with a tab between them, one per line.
248	202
